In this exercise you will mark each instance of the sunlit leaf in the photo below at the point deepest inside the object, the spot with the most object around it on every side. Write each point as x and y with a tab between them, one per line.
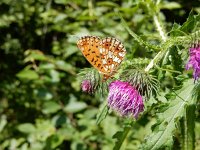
26	128
74	107
27	74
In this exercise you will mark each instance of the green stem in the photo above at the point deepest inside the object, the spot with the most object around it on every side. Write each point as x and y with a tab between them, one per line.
159	28
121	136
164	38
151	64
169	70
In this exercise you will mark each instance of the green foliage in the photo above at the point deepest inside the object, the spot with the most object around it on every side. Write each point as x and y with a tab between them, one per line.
163	130
41	102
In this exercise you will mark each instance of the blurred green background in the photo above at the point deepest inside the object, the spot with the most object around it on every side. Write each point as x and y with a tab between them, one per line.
41	103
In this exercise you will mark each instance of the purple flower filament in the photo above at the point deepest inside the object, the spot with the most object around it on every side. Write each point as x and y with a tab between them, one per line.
194	62
125	99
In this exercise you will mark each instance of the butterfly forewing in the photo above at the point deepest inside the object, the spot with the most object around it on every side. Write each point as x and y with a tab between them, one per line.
89	46
105	55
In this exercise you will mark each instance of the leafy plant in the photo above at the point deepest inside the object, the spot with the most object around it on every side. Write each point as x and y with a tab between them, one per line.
42	105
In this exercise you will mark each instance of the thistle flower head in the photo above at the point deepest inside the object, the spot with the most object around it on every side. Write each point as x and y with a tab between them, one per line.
125	99
91	82
86	86
194	61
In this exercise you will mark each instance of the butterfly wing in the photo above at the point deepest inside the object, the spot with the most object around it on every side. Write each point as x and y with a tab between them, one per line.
112	53
89	46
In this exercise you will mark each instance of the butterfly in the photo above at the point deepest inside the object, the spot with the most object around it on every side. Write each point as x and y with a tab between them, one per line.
103	54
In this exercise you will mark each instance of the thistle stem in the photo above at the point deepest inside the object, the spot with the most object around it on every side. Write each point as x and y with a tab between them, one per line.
164	38
159	28
151	64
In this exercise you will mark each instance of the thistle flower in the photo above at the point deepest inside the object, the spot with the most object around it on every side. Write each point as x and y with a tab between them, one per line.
90	80
86	86
194	61
125	99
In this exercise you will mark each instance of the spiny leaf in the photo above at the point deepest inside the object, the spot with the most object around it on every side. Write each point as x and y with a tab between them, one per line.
162	136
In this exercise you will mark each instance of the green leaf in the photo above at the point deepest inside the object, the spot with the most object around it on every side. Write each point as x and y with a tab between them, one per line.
121	135
54	141
34	55
75	106
191	22
65	66
3	123
26	128
136	37
170	5
61	2
102	114
107	3
188	26
50	107
27	74
43	94
162	135
188	126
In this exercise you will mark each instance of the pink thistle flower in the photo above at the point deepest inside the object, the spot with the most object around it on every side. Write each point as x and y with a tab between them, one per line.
194	61
86	86
125	99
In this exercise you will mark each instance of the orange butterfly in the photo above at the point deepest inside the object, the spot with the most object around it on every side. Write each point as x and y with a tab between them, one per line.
104	54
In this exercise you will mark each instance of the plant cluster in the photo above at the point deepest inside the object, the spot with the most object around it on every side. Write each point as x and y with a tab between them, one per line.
48	102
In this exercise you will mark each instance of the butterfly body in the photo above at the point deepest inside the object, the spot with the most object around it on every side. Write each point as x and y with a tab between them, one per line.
103	54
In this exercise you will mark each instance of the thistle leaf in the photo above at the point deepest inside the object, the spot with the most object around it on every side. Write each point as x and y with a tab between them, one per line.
162	136
188	126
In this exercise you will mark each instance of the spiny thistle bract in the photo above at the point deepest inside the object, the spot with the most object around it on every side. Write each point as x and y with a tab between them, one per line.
91	82
145	83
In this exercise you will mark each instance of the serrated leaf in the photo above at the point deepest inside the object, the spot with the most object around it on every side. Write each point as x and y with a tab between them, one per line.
187	27
162	135
191	22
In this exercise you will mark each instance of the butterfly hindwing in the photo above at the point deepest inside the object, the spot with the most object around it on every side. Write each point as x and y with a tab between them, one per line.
89	46
112	53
